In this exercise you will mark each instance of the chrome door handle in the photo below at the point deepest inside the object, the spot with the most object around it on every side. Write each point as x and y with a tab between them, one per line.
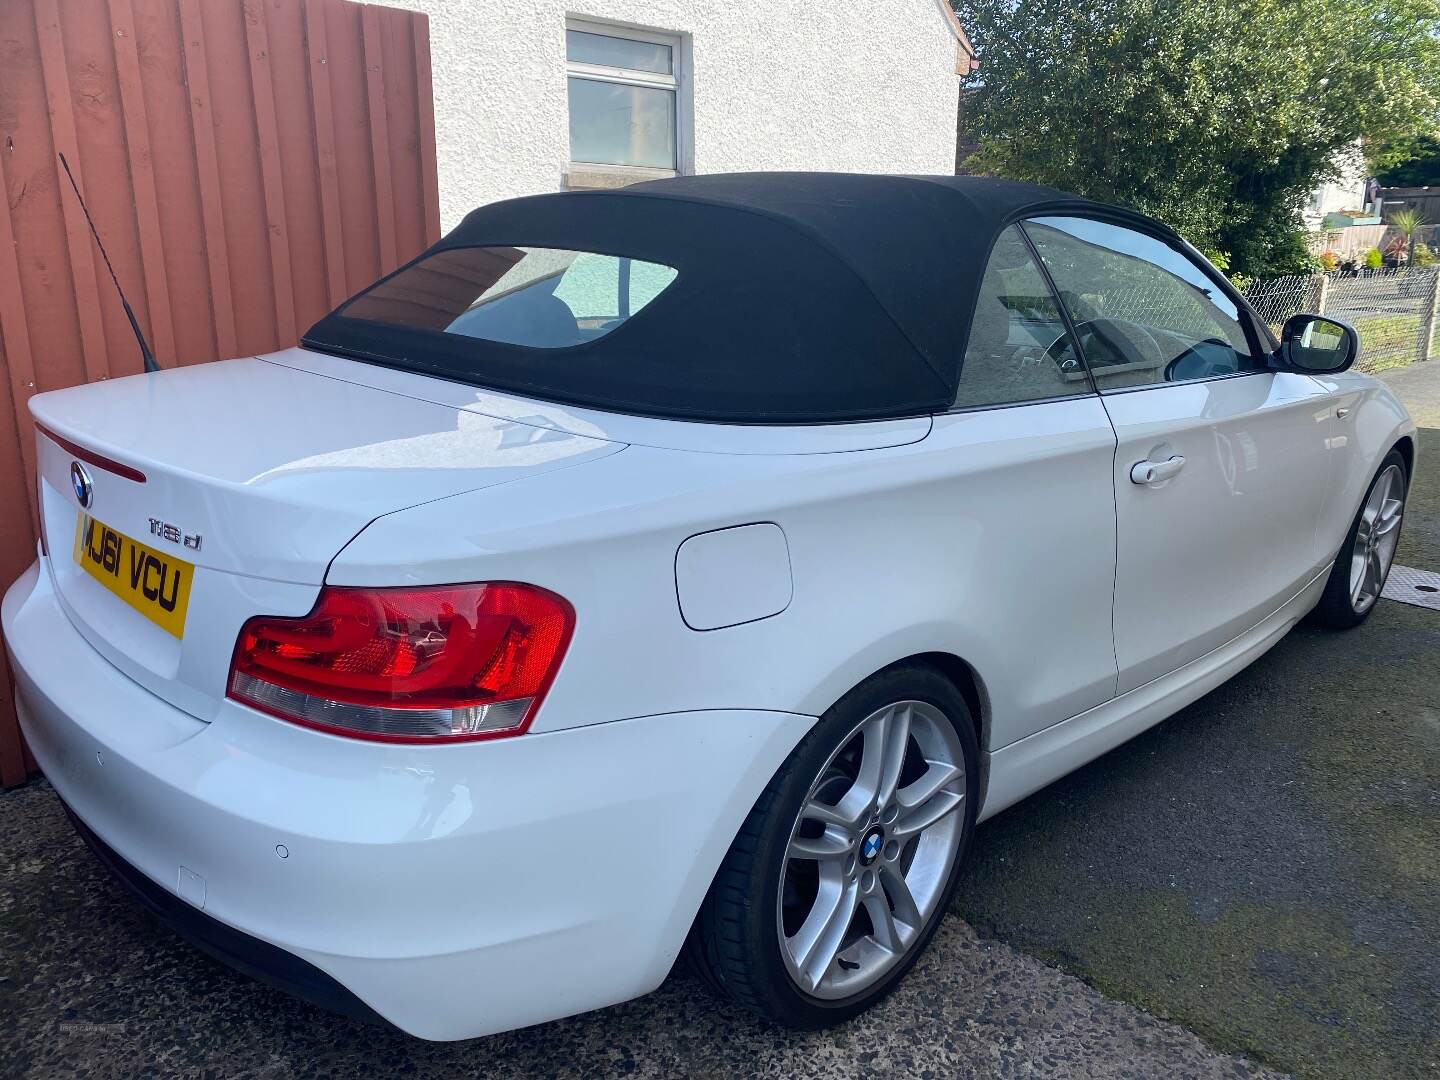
1153	472
1342	412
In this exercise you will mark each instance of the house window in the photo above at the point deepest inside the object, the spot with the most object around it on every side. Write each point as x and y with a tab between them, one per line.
624	108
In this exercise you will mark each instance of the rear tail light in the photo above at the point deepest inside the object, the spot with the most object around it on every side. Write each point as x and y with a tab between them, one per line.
446	663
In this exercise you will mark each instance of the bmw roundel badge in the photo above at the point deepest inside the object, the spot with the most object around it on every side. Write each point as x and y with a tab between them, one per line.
80	484
871	845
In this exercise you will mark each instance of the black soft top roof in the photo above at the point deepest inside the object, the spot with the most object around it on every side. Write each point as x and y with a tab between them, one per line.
800	297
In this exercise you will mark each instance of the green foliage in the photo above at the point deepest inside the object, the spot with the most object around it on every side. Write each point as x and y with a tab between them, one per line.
1268	239
1405	161
1217	116
1407	221
1373	259
1218	259
1424	255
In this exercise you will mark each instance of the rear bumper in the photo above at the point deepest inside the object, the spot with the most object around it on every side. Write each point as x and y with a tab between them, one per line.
250	956
455	891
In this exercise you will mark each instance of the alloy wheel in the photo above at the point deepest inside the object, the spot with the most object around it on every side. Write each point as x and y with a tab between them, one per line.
871	850
1376	538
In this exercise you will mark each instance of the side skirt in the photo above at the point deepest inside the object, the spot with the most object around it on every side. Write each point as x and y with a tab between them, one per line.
1028	764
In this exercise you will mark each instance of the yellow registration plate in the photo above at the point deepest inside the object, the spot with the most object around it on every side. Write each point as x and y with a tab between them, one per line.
152	582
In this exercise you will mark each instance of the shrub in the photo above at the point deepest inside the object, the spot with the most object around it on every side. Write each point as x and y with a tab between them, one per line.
1218	259
1329	261
1373	259
1424	255
1407	222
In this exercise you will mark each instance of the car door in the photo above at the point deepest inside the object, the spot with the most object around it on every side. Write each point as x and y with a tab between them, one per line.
1028	519
1221	465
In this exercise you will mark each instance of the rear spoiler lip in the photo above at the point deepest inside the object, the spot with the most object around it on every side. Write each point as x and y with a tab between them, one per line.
100	461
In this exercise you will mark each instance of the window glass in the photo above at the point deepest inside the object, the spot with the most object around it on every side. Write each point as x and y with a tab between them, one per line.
1145	312
614	123
606	51
1019	349
544	298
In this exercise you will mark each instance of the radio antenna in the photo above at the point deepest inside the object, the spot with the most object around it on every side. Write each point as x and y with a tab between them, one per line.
147	358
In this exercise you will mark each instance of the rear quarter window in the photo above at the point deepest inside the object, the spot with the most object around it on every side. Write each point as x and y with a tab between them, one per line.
539	298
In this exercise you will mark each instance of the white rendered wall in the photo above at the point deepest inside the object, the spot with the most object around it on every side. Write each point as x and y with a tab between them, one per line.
864	86
1345	192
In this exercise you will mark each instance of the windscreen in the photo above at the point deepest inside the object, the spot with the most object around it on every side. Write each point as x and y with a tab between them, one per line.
540	298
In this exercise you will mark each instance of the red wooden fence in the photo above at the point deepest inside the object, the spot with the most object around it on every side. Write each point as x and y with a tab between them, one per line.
249	163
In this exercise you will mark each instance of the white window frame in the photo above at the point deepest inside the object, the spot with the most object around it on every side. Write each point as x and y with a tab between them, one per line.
676	82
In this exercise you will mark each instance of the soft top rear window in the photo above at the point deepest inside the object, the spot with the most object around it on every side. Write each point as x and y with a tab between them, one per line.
654	306
540	298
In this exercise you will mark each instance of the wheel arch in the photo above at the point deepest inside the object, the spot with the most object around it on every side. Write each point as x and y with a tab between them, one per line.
966	679
1405	446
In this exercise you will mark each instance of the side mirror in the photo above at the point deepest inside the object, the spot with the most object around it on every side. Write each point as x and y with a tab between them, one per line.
1317	345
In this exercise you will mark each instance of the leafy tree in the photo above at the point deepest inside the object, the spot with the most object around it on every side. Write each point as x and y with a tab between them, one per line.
1406	161
1218	116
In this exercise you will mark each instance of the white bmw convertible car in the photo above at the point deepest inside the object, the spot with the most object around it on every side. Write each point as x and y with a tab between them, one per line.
687	568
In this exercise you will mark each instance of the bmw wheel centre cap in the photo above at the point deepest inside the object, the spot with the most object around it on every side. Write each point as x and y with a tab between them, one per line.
80	484
871	845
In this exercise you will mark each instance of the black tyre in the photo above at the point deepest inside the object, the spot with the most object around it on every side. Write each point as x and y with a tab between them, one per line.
848	861
1360	570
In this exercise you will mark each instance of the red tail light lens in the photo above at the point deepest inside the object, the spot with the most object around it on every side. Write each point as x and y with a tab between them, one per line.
446	663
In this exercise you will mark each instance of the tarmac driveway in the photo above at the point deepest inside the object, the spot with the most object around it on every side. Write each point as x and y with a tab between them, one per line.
1263	868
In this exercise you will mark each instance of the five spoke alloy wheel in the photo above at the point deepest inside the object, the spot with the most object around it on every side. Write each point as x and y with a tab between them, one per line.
845	866
1358	576
1376	537
872	849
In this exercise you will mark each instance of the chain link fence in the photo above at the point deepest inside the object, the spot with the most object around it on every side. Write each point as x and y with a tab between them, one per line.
1394	311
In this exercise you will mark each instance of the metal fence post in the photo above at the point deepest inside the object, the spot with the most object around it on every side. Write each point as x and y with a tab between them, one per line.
1425	343
1322	293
